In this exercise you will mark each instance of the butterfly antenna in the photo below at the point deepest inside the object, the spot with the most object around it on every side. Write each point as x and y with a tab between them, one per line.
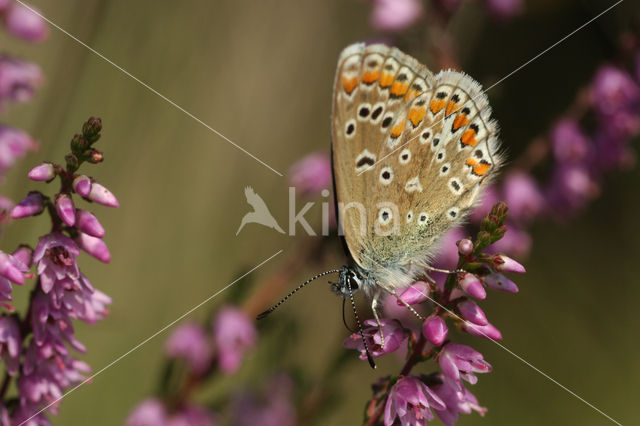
364	341
284	299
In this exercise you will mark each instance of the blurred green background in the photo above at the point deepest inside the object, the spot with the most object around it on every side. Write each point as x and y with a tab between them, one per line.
261	72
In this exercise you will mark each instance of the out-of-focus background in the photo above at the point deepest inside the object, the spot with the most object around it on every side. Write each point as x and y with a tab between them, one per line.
261	72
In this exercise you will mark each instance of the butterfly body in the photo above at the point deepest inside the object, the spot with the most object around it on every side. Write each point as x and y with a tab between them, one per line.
412	152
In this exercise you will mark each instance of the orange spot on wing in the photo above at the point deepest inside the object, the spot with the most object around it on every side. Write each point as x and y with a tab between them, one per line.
370	77
469	137
399	89
471	162
451	108
386	80
397	129
459	121
349	84
416	115
436	105
411	94
481	168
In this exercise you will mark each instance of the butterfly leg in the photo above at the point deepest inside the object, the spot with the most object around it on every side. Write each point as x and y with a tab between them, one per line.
374	306
394	294
446	271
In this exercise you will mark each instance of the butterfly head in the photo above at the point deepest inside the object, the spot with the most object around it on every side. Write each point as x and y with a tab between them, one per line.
350	280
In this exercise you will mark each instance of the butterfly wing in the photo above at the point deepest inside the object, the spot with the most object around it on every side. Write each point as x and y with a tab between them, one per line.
411	154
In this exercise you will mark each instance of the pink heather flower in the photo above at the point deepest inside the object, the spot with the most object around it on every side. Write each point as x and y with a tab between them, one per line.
42	173
470	311
78	299
190	342
24	254
504	263
52	328
66	209
488	331
18	80
10	344
55	257
569	141
435	330
416	293
505	9
523	196
234	334
614	92
457	399
82	185
102	195
311	174
499	282
472	285
274	408
89	224
45	378
150	412
461	362
191	415
12	268
14	143
32	205
23	23
411	401
25	411
392	330
465	247
94	246
395	15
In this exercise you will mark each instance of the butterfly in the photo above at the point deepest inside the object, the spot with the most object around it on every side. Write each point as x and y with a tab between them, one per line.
411	155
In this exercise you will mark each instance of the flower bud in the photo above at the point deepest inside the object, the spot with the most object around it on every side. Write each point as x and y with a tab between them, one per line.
89	224
435	330
102	195
465	247
32	205
472	286
504	263
24	254
82	185
11	268
66	210
94	246
23	23
43	172
418	292
94	156
470	311
72	161
488	331
91	129
501	283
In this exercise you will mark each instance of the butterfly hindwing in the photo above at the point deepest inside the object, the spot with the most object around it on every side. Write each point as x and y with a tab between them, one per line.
411	153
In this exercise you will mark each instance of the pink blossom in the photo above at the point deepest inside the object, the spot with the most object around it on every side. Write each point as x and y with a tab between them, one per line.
66	209
42	172
102	195
18	80
89	224
150	412
411	401
497	281
190	342
311	174
461	362
96	247
488	331
523	196
470	311
82	185
234	334
55	257
395	15
393	334
417	292
457	399
10	344
435	330
25	24
32	205
14	143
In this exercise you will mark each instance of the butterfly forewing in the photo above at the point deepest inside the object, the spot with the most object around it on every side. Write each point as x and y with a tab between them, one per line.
411	152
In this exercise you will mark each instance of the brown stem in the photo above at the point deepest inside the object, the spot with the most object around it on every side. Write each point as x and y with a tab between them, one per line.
5	386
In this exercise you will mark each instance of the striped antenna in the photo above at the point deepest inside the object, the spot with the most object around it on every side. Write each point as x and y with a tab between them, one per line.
364	341
284	299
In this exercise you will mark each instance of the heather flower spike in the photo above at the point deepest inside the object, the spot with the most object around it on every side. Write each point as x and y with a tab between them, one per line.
62	294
